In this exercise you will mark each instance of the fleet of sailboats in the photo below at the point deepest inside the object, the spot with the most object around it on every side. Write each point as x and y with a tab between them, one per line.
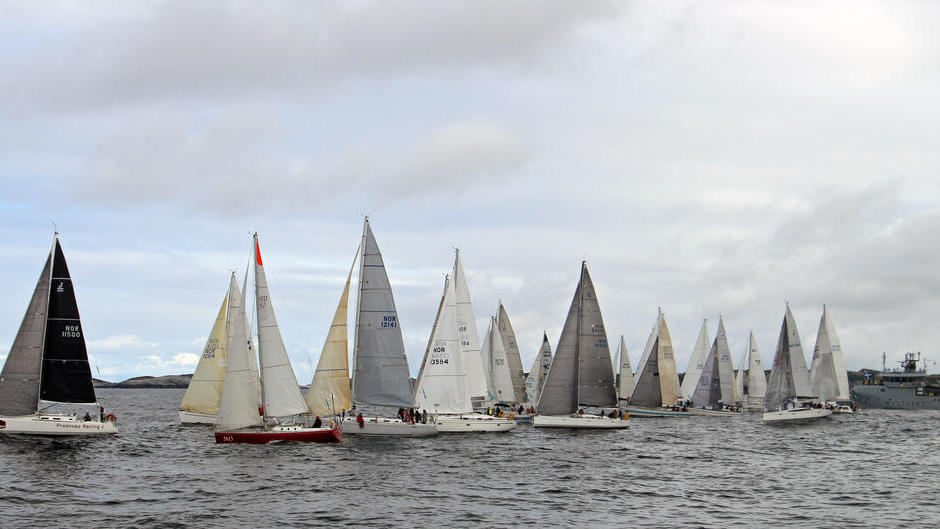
249	390
48	363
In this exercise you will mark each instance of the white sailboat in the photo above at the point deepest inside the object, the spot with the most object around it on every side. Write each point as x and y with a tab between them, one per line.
581	373
536	378
656	393
200	404
469	337
828	375
329	392
626	381
500	391
443	382
752	372
380	368
696	362
790	396
714	393
281	399
48	363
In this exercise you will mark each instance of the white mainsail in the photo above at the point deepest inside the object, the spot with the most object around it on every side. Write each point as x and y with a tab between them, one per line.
789	377
442	381
756	378
281	394
828	375
696	362
467	330
238	408
627	382
512	354
540	367
329	391
499	387
739	376
205	389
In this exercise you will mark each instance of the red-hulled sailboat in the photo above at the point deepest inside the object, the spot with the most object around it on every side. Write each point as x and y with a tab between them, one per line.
241	420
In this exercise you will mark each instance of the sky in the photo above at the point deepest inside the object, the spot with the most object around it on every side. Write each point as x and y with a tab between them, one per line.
709	158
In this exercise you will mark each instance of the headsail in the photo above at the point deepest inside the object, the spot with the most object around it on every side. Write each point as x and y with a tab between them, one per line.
512	354
281	394
789	377
467	330
205	389
739	376
329	391
19	381
828	375
380	369
540	367
696	362
627	382
240	393
716	382
499	379
658	381
756	378
442	381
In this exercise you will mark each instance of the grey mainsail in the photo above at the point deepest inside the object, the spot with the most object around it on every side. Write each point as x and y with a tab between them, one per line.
707	391
658	380
380	373
19	381
788	377
627	382
512	353
581	372
540	367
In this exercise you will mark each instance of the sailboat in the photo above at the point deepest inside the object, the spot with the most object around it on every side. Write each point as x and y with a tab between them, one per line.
200	404
496	367
657	381
626	381
470	338
714	393
48	363
696	362
329	392
442	381
789	394
380	368
828	375
581	373
239	419
751	371
536	378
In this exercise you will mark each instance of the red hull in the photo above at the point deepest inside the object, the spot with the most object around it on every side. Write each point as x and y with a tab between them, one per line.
316	436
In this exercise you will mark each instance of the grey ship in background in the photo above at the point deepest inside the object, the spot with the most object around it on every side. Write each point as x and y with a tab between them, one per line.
907	388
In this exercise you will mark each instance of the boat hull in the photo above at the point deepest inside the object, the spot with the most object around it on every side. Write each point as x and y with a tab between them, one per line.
191	417
298	434
385	426
55	426
895	397
715	413
795	415
524	418
646	413
583	421
473	423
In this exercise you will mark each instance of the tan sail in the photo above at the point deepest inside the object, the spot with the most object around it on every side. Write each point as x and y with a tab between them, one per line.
668	374
205	388
329	391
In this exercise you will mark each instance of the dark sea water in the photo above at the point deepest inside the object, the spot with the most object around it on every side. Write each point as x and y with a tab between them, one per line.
879	469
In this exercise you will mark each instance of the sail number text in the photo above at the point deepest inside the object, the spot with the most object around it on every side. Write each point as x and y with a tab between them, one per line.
72	331
389	321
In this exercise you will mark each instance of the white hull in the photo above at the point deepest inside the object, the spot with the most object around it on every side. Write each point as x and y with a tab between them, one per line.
796	415
55	425
637	411
583	421
190	417
715	413
473	423
384	426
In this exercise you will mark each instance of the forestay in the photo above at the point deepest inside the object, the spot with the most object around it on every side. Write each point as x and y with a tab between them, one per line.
380	369
281	393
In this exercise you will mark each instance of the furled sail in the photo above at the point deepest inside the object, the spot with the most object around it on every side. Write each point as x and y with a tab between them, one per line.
512	354
788	377
442	381
281	394
329	391
696	362
380	369
540	367
627	382
19	381
828	375
66	374
467	330
205	389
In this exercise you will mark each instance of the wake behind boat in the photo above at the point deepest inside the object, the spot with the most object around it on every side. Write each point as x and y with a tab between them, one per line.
48	363
581	373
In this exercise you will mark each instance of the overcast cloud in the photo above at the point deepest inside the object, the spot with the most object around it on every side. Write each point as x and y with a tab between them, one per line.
704	157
